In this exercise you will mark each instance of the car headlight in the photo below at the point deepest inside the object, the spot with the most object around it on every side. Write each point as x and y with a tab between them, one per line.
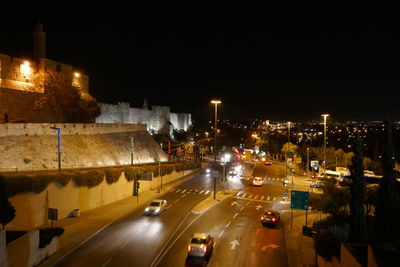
146	209
157	210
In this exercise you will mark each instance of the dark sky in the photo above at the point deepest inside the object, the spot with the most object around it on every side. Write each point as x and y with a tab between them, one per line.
278	63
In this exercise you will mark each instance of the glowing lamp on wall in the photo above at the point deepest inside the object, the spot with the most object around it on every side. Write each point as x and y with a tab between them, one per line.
77	74
26	68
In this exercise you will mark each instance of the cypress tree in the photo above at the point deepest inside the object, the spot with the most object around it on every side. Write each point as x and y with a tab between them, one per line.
357	190
388	200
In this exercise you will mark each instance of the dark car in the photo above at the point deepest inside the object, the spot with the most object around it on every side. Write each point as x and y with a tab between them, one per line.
270	218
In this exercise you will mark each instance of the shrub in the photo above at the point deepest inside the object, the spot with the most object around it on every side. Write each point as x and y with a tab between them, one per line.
88	179
47	234
112	175
40	182
167	169
13	235
27	161
130	173
63	178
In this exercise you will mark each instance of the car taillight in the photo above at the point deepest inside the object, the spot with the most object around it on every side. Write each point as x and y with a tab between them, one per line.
262	217
189	248
273	219
204	249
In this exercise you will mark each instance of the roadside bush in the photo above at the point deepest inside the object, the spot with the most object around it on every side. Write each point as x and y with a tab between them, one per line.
17	185
63	178
112	175
40	182
47	234
88	179
130	173
167	169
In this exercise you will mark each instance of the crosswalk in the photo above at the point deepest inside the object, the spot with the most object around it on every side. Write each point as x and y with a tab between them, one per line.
238	195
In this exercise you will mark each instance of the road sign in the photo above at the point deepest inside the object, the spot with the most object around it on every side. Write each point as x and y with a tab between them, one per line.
309	231
299	200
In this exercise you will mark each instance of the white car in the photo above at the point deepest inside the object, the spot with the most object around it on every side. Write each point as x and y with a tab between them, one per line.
201	245
156	207
257	181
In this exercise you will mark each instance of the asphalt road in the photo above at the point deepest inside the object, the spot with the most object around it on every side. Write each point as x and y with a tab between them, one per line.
137	240
240	239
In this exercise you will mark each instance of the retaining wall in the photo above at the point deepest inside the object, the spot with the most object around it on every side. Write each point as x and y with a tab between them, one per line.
32	209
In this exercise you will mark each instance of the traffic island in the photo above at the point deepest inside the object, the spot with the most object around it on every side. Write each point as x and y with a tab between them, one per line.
209	202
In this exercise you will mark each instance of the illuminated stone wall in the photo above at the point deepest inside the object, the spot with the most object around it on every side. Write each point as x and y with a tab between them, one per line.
159	119
25	147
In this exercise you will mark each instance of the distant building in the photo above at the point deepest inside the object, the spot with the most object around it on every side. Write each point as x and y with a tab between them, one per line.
159	119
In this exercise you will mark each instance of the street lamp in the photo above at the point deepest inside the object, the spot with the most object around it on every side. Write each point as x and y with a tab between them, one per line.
288	148
324	163
132	148
215	102
58	146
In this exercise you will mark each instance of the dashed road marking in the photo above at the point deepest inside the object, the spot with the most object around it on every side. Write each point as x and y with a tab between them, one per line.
177	191
234	216
268	197
107	261
262	197
229	223
184	191
220	234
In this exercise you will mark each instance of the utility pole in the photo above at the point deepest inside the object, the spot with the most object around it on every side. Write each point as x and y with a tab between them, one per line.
325	115
132	148
215	102
308	163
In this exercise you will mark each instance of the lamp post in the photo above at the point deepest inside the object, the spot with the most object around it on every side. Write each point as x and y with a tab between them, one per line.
287	153
324	163
132	148
308	162
58	146
215	102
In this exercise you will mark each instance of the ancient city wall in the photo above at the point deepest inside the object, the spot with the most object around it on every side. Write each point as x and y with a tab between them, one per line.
159	119
30	146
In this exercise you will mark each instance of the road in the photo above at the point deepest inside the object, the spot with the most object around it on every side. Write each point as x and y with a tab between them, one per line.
137	240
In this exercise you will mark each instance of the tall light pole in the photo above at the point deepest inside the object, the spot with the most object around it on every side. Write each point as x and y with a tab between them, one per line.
132	148
308	162
287	153
215	102
325	115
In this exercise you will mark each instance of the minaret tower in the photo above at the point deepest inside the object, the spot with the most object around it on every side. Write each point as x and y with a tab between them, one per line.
39	43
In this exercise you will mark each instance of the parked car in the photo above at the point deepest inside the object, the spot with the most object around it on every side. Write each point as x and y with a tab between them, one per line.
156	207
316	184
270	218
257	181
267	162
201	245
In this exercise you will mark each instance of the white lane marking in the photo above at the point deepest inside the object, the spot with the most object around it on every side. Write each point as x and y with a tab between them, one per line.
274	199
241	208
268	197
202	191
184	195
238	193
177	191
256	197
196	191
172	190
220	234
168	206
176	200
107	262
244	195
262	197
229	223
184	191
219	192
251	196
234	216
123	245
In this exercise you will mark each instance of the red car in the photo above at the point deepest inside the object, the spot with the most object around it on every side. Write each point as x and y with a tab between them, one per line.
270	218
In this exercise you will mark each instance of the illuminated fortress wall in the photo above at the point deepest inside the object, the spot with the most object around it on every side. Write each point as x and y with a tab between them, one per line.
159	119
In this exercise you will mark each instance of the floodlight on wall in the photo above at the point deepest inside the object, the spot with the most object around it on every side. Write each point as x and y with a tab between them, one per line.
77	74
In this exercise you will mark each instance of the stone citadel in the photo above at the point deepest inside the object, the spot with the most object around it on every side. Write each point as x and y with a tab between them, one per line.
18	94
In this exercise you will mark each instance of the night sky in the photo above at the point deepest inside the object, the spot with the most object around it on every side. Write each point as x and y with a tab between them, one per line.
277	63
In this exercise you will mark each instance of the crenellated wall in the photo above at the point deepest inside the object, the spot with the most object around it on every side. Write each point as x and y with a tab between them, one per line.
159	119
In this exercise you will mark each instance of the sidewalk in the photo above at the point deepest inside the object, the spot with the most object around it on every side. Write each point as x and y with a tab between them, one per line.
80	229
300	248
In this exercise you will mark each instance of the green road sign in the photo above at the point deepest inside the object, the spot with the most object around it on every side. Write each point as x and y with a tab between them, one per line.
299	200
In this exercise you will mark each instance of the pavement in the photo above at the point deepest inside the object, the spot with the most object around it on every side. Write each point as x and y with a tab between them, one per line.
300	248
79	229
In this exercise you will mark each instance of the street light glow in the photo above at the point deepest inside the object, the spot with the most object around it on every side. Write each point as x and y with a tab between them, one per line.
216	101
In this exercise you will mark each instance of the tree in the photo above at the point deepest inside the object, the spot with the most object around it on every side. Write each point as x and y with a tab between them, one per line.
387	211
7	211
66	101
357	190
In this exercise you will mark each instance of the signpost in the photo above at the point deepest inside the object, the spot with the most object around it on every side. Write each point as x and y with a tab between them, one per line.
299	200
52	215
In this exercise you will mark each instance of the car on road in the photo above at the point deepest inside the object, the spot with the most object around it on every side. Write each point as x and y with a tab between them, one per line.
267	162
156	207
255	160
257	181
201	245
316	184
270	218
